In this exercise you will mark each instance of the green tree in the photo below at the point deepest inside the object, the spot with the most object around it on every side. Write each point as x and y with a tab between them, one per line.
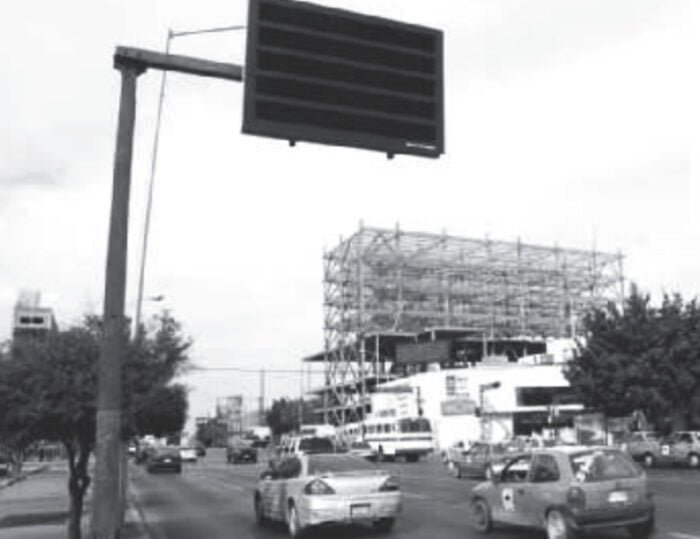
285	414
53	388
642	358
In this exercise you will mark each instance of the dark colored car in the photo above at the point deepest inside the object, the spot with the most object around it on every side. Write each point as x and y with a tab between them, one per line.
241	451
481	459
200	449
164	459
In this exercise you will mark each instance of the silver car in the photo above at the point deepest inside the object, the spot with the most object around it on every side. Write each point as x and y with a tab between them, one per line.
307	490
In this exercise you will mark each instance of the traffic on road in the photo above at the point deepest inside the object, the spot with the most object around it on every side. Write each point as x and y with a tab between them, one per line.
547	492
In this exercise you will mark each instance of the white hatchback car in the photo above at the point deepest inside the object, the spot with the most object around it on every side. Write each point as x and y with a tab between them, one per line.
307	490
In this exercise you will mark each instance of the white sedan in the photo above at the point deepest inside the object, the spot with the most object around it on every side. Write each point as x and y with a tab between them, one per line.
317	489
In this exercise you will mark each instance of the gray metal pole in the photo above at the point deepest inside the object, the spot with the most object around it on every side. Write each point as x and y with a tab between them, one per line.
106	486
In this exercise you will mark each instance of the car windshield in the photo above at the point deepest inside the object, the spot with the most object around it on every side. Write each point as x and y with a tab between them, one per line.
601	465
335	464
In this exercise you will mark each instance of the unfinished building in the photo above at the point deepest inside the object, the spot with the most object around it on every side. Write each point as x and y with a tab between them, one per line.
387	287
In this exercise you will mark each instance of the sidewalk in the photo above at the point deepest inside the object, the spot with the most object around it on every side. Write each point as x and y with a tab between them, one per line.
37	507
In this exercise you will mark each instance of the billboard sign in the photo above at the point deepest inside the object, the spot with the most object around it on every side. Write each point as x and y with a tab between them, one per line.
332	76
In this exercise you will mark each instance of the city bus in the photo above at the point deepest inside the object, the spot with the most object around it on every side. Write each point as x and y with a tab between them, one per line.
402	437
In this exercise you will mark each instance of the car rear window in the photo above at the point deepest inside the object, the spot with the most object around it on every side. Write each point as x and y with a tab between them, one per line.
321	464
601	465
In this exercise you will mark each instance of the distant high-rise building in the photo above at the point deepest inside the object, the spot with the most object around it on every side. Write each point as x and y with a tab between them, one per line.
30	318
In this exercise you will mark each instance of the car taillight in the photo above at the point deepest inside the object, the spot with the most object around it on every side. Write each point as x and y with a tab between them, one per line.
318	487
391	484
576	498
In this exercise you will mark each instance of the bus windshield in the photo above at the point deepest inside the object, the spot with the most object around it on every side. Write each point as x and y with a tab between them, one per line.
414	425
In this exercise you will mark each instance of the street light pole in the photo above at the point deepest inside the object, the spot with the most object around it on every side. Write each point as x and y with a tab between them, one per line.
106	520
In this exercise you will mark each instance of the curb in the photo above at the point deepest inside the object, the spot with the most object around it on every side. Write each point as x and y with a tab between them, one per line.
12	480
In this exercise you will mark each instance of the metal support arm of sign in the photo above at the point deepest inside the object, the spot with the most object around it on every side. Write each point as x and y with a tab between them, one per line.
131	63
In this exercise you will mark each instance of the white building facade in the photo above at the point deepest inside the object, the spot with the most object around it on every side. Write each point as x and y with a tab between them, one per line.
463	404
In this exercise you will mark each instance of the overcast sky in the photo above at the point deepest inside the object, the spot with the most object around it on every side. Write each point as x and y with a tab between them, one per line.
567	121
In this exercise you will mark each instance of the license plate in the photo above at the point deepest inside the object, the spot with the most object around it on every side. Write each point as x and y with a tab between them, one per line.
665	450
167	461
360	511
618	497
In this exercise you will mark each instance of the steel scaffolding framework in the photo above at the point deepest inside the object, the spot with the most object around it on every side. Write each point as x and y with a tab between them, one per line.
381	283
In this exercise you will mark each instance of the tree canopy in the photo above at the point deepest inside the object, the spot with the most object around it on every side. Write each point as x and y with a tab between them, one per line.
284	415
642	358
48	391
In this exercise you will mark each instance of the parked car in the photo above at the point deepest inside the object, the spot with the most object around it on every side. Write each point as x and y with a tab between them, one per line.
188	454
682	447
240	450
565	491
363	450
642	446
306	490
165	458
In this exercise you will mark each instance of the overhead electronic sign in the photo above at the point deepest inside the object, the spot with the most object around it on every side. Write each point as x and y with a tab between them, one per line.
332	76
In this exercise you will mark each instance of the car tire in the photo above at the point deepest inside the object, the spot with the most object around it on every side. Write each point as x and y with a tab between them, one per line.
648	460
557	527
383	525
694	460
481	516
178	469
293	525
643	530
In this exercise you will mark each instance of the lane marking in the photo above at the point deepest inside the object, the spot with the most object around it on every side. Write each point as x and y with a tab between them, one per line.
679	535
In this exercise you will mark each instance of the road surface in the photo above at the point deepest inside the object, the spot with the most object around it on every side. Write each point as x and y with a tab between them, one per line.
212	499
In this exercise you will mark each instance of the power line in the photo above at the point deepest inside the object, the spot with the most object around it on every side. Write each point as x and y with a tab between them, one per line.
251	371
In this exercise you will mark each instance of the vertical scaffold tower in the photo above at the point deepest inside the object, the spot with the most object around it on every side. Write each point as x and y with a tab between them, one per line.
381	285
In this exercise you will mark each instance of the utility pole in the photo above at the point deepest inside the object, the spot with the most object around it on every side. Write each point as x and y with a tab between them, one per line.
261	399
106	518
107	479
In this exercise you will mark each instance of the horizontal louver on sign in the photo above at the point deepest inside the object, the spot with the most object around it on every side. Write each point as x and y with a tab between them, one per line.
336	77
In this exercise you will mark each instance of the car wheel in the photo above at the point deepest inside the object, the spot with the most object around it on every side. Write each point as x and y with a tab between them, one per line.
558	527
694	460
383	525
481	516
293	525
642	530
178	469
259	511
648	460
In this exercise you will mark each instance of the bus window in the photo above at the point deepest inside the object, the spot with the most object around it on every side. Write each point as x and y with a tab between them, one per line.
414	425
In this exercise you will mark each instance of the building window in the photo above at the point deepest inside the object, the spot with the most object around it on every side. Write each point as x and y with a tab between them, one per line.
450	386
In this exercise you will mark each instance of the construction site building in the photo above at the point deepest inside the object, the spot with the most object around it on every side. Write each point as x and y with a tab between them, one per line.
393	299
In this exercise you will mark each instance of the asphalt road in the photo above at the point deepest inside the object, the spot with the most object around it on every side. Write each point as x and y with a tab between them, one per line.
212	499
